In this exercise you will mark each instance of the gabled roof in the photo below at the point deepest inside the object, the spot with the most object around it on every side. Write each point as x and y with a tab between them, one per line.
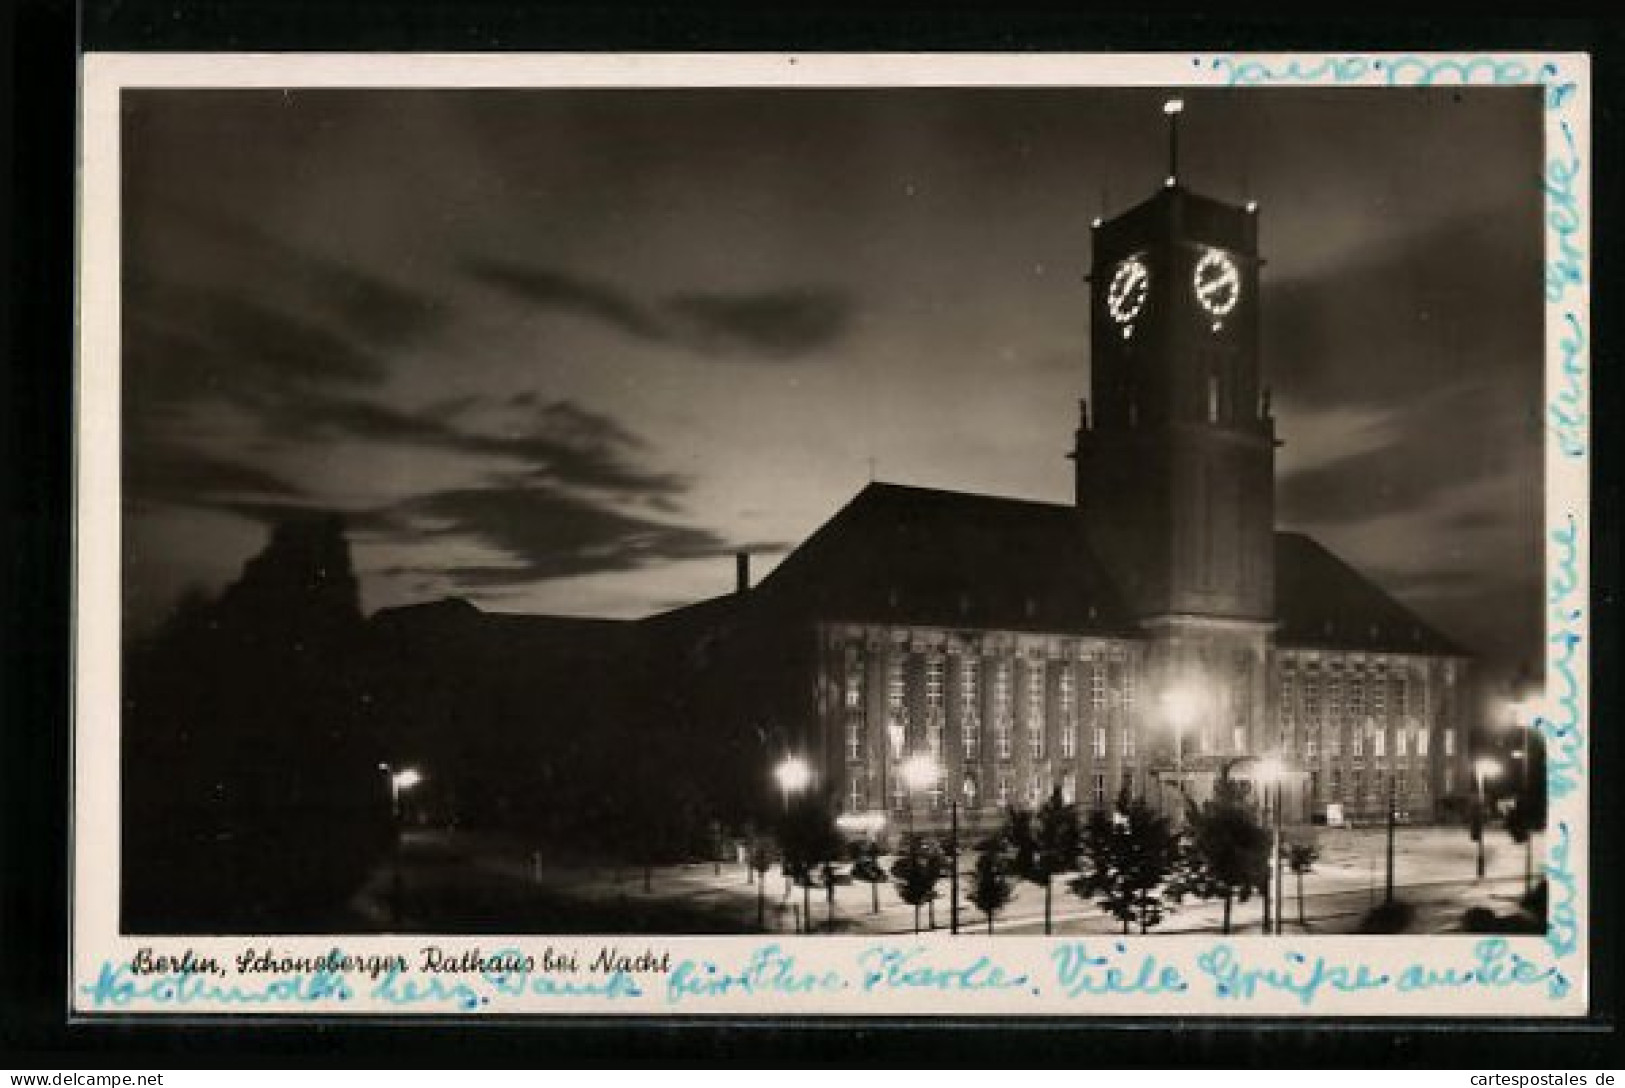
919	556
942	558
1321	601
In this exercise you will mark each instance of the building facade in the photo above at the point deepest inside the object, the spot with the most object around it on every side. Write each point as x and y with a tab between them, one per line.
1154	634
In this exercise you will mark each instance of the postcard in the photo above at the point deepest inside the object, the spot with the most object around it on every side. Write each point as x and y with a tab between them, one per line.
832	535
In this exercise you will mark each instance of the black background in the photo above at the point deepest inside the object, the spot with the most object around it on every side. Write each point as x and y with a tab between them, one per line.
43	40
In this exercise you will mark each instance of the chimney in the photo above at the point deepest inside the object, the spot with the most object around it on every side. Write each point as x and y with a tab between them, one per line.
741	572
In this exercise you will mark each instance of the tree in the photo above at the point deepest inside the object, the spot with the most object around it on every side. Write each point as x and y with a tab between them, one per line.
1227	854
808	839
916	872
991	886
868	869
1044	844
1128	856
759	862
1301	858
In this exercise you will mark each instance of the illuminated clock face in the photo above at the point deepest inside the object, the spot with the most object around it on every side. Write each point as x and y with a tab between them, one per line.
1125	298
1217	283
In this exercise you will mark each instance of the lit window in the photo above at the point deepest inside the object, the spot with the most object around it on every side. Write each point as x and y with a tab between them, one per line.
1421	742
1035	739
894	689
1068	692
1035	696
1001	739
1401	741
1097	686
1004	789
970	735
1128	687
1100	742
1449	742
970	684
933	684
1069	740
1379	743
1001	690
1238	739
854	740
1069	787
1309	744
1128	741
855	797
854	681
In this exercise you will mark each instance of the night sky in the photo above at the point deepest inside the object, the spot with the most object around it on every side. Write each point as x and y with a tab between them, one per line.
567	351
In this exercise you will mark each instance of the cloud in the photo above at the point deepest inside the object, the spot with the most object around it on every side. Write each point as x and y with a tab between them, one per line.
1409	459
550	534
554	441
1387	324
783	324
780	324
163	472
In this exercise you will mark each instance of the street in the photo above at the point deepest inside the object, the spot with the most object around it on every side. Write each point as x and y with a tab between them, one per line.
465	883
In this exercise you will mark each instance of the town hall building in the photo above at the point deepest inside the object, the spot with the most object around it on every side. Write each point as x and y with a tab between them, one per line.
926	650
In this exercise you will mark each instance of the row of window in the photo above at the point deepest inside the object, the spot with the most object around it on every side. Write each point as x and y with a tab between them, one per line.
1334	693
970	670
1407	738
1362	784
1036	789
970	740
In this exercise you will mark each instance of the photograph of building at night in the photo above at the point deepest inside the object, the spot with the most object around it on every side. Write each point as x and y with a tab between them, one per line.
569	510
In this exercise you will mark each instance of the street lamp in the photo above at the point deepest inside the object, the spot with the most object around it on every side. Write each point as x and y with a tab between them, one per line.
1271	771
399	782
793	776
1521	713
1179	705
919	771
1482	769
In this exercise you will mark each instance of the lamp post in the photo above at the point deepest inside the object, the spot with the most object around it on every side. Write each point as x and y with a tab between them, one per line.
919	771
1482	769
1271	771
968	790
399	782
793	775
1522	715
1179	704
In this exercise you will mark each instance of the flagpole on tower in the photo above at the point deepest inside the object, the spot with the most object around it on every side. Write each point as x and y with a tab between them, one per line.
1173	108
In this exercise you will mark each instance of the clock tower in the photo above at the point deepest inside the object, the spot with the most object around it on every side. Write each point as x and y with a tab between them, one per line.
1176	460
